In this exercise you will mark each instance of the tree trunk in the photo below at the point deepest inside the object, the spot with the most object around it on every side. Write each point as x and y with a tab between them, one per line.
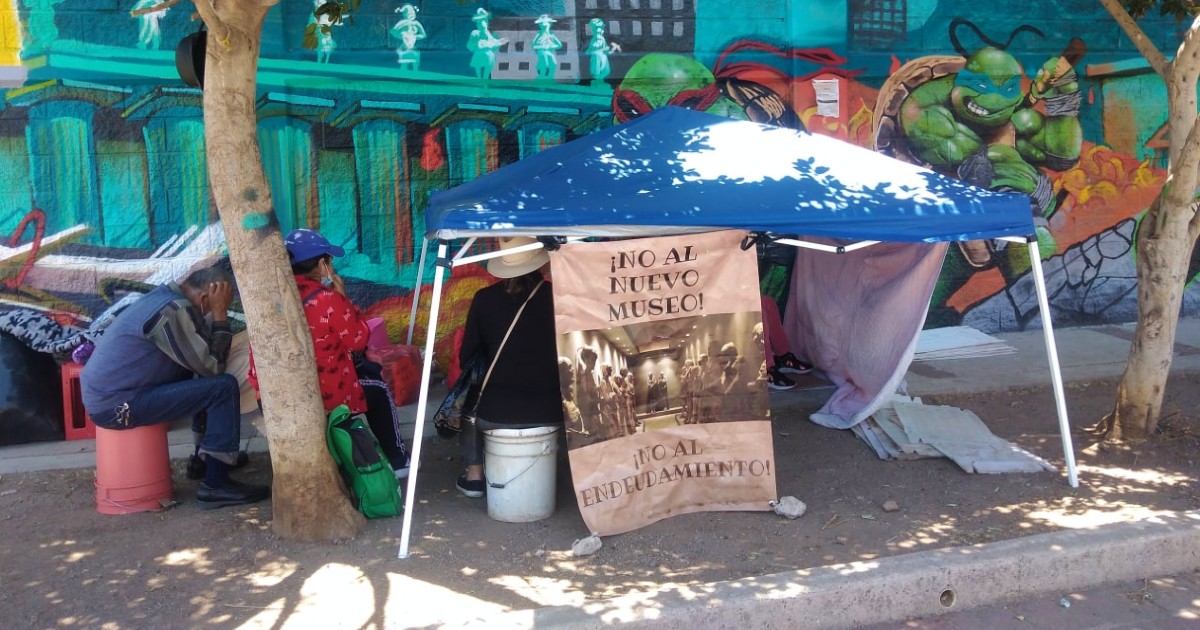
308	501
1166	237
1162	263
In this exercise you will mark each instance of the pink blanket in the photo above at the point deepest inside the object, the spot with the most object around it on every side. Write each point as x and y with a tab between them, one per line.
856	317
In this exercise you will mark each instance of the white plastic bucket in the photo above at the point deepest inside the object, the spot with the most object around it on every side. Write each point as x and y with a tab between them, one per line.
519	469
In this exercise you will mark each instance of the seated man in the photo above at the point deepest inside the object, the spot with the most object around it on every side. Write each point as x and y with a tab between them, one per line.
142	372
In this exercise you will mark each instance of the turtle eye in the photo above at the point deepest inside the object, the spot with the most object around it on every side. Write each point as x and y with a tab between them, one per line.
628	105
698	99
1011	88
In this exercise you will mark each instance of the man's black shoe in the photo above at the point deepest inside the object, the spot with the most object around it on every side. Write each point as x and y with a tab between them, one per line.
232	493
196	467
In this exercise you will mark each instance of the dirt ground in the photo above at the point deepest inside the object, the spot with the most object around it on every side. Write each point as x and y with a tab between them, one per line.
64	565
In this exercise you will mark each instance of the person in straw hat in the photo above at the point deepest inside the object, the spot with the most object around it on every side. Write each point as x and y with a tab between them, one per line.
523	389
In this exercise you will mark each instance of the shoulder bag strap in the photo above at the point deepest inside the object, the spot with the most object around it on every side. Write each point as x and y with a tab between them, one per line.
504	341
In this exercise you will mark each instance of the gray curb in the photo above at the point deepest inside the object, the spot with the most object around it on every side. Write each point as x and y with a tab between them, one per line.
900	587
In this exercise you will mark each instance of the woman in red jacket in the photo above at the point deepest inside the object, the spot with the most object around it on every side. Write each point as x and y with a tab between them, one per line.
340	335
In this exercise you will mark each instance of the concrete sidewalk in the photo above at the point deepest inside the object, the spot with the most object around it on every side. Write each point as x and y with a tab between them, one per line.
1163	603
1089	353
889	591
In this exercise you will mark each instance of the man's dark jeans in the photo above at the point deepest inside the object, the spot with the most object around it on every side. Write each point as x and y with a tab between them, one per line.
213	403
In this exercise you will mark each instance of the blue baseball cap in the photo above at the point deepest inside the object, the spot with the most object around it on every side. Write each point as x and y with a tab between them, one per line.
305	244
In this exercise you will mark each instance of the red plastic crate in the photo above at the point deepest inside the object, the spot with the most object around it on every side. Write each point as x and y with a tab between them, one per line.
76	423
401	370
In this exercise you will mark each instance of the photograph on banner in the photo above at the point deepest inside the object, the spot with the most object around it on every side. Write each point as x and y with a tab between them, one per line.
663	377
631	379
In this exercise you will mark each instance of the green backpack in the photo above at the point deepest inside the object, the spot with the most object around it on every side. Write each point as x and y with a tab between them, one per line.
364	467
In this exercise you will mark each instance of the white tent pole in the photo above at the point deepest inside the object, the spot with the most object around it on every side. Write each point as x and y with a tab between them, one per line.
463	260
463	251
412	316
422	402
832	249
1060	398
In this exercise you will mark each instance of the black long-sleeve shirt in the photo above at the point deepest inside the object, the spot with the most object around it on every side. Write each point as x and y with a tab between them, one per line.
523	388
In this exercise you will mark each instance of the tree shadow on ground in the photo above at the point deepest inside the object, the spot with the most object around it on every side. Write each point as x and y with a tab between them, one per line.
63	564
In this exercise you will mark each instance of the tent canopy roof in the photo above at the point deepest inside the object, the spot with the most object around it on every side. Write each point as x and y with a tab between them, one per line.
675	170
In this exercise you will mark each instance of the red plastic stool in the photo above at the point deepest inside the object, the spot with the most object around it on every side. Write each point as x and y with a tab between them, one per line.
133	469
76	423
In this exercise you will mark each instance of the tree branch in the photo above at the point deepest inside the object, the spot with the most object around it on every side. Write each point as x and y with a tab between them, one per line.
1194	222
1152	54
1193	142
1184	71
1189	163
1187	57
162	6
208	13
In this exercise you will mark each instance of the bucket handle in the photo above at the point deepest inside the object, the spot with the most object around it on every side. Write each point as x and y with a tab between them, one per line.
500	486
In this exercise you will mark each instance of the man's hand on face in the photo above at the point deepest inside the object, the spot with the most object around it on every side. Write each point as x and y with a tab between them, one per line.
218	298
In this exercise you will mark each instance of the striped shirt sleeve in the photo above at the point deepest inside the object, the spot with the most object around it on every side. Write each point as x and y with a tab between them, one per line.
184	336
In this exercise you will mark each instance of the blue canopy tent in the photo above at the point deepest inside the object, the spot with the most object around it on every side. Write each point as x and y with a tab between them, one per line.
677	171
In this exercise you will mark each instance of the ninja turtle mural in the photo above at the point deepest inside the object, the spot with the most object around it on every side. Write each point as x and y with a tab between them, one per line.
977	117
741	89
660	79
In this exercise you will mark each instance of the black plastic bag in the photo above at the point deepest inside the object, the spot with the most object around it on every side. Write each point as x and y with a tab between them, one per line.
462	398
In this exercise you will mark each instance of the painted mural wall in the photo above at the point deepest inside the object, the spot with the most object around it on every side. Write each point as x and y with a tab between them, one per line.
103	182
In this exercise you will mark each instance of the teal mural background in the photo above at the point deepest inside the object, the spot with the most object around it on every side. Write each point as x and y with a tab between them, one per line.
98	132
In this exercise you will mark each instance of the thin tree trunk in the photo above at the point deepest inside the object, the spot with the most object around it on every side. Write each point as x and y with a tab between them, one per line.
308	502
1162	262
1164	249
1166	237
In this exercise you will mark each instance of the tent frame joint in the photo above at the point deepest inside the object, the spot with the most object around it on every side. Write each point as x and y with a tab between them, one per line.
551	243
755	238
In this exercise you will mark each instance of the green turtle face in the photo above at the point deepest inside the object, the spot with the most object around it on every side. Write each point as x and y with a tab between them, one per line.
660	79
659	76
987	90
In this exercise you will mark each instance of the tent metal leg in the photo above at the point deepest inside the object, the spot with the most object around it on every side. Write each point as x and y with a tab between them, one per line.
1060	398
422	404
412	316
